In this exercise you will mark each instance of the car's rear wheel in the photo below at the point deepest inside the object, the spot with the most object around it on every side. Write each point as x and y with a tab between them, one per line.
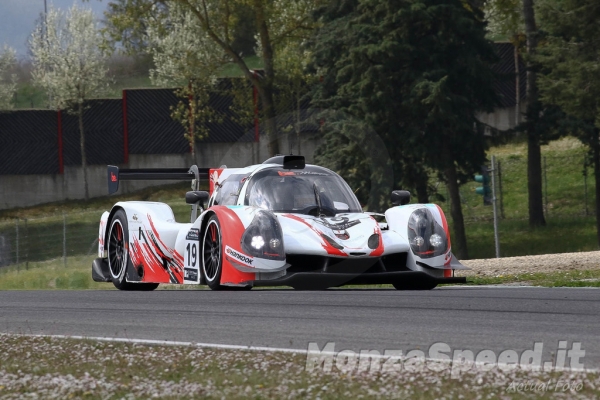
118	255
212	254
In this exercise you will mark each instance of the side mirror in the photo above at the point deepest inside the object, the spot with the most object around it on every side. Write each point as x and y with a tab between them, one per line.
400	197
196	197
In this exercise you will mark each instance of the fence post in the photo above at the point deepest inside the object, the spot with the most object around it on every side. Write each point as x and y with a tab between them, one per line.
499	166
585	192
65	239
17	240
26	245
496	236
545	189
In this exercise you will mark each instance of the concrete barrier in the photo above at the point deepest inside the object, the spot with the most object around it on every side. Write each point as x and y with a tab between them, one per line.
29	190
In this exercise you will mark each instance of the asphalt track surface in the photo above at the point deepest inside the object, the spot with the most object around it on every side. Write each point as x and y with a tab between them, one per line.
471	318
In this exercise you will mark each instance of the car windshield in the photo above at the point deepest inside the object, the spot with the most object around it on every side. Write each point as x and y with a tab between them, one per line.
300	191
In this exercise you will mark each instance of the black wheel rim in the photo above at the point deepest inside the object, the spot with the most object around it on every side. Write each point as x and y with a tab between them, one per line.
116	249
211	251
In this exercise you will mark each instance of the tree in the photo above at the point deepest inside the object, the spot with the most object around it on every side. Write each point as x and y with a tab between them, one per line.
184	55
570	75
277	23
416	71
70	64
534	152
504	19
8	81
515	19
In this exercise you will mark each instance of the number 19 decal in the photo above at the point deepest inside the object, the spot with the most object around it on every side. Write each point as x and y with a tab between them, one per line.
191	257
192	254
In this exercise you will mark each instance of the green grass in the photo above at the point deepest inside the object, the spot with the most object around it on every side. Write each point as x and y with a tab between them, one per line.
51	274
569	228
517	238
564	183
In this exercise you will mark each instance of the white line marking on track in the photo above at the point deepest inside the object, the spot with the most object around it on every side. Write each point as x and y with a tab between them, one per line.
173	343
513	287
269	349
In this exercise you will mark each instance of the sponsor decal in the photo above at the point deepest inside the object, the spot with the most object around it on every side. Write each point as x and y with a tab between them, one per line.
193	234
135	217
338	223
239	257
190	274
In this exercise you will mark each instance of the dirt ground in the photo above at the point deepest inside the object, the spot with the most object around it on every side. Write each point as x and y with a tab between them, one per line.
532	264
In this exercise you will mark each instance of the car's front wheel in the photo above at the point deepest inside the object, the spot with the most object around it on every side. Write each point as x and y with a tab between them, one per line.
212	254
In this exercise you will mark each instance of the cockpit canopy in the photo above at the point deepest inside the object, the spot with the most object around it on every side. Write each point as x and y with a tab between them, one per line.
301	191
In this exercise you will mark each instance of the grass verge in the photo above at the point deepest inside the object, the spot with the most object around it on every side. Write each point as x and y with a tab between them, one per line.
517	238
52	274
67	368
76	275
590	278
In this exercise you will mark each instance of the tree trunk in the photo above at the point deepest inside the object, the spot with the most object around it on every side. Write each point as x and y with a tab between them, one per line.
596	150
459	239
265	89
192	119
420	181
266	96
534	158
534	181
82	147
298	129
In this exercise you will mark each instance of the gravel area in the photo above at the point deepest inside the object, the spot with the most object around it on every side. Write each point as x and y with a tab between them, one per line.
546	263
47	368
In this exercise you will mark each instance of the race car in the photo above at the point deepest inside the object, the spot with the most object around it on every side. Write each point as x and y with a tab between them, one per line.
279	223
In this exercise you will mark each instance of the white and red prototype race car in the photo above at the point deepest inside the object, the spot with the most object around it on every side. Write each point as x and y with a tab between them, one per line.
280	223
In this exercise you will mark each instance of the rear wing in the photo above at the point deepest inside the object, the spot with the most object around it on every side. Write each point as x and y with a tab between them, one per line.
194	174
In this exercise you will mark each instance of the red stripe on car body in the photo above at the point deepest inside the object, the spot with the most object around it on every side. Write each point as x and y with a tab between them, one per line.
232	230
447	271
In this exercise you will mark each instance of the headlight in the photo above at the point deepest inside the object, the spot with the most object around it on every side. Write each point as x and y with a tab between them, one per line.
436	240
257	242
426	237
264	238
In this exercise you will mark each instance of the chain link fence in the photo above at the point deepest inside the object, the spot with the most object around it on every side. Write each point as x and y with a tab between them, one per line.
568	189
25	241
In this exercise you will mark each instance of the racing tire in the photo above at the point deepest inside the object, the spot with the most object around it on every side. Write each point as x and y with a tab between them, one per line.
212	254
118	255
